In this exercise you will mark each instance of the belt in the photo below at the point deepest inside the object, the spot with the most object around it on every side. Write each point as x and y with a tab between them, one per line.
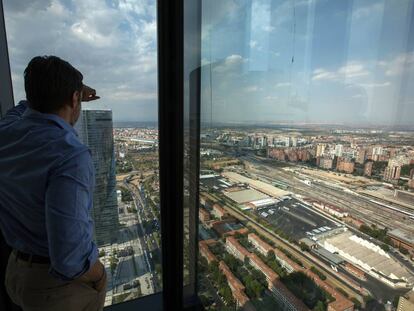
30	257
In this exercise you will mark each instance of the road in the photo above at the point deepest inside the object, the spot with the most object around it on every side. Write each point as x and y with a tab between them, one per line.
140	265
333	278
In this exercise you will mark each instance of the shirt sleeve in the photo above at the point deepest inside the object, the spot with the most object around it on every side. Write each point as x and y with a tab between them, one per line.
69	226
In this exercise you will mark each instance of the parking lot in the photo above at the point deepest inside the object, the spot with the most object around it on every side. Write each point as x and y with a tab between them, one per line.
291	216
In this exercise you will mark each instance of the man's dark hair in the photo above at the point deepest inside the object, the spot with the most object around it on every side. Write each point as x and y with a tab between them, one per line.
50	83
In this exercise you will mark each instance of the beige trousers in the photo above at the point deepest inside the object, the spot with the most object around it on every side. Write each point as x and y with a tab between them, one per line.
30	286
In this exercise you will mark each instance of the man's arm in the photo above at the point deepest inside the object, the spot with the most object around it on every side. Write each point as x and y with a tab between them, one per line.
69	194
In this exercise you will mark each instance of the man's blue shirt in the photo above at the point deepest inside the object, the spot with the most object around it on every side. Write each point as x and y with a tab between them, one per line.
46	189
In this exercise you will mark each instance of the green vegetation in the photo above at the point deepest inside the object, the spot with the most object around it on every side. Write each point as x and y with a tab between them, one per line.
290	256
101	253
320	306
304	247
126	195
218	250
221	283
272	262
123	167
376	233
378	167
306	290
145	161
253	280
267	302
385	247
254	289
318	273
405	169
245	243
132	210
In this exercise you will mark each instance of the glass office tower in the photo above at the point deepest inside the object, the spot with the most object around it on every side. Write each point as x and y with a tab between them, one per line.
94	128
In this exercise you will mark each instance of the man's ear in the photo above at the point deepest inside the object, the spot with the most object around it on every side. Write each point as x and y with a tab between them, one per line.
76	98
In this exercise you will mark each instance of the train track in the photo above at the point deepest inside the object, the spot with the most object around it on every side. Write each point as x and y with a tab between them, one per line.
333	280
361	207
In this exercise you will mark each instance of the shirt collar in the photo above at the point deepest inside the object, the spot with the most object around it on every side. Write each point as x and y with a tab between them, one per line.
31	113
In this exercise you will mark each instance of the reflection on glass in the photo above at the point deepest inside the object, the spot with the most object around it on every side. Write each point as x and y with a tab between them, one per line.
113	43
307	155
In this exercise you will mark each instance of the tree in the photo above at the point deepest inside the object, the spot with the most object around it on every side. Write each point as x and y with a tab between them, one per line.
271	256
304	247
320	306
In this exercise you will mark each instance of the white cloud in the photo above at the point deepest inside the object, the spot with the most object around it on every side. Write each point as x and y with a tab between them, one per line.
283	84
399	64
252	88
112	44
253	44
352	70
322	74
234	59
229	63
375	85
367	11
349	71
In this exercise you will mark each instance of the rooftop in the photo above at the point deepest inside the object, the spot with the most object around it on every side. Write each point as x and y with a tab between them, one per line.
335	259
268	272
367	255
231	278
246	195
259	241
231	240
402	235
256	184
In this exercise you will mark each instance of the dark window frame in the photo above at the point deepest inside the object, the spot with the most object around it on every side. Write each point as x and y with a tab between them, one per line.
170	23
6	88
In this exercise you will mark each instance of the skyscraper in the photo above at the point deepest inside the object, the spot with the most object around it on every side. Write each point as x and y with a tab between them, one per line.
95	130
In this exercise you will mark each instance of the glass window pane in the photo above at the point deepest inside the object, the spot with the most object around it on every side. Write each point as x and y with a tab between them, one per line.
307	154
113	44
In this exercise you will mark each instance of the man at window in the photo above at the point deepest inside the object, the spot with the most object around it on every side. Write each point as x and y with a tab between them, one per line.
46	189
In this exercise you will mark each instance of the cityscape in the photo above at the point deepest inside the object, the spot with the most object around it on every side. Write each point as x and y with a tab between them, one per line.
307	217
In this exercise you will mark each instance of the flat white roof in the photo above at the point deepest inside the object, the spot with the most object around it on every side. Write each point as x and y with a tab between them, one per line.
256	184
367	254
263	202
245	196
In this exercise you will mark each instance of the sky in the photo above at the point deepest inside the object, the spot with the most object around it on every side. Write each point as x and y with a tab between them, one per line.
263	61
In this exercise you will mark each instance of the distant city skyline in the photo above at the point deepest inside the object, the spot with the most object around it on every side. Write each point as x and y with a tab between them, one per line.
317	61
